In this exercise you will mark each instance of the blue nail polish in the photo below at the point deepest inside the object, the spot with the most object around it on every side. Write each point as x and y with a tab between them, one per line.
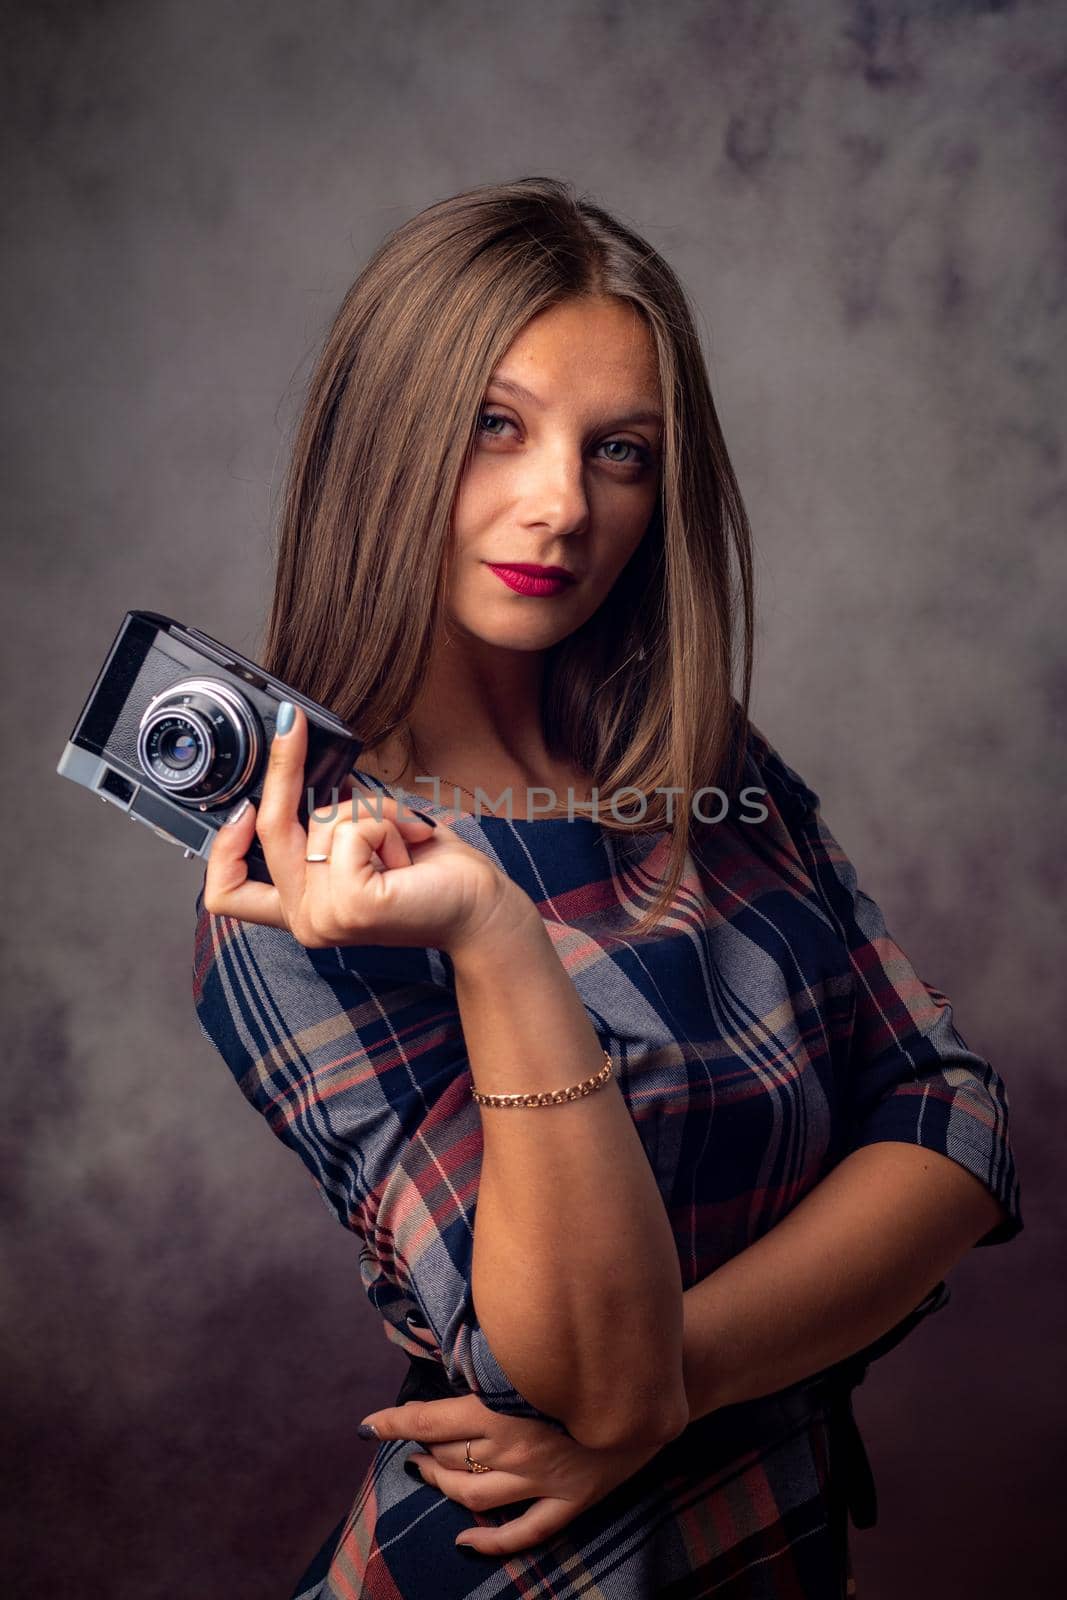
366	1430
286	713
413	1472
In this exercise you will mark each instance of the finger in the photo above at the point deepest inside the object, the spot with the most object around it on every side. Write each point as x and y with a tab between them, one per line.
383	835
377	801
386	842
337	892
543	1519
478	1491
363	852
281	834
410	824
228	890
432	1421
358	803
362	805
376	832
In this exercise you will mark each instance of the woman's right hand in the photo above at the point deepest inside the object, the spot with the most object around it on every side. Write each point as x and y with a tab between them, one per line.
429	887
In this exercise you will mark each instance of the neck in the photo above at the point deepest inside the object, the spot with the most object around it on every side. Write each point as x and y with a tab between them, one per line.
478	717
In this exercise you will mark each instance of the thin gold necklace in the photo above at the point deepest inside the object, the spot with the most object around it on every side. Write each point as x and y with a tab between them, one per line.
417	762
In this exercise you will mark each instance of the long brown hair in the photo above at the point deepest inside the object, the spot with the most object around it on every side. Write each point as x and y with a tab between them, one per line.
641	695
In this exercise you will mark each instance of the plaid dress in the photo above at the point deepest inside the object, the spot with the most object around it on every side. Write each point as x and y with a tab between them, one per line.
769	1026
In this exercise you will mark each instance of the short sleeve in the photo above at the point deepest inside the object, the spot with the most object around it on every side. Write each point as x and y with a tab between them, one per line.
912	1077
355	1058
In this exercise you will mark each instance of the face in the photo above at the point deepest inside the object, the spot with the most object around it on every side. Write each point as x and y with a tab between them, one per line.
564	473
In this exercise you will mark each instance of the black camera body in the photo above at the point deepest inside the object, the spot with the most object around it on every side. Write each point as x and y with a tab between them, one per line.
177	728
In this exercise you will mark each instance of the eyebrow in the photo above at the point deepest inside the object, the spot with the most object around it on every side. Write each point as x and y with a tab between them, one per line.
641	415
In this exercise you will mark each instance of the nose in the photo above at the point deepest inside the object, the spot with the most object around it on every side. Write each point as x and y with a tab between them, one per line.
555	494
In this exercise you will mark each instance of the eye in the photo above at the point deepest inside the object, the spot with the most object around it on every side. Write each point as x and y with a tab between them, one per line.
493	416
641	455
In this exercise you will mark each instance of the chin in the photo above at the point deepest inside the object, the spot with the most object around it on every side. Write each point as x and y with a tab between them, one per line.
508	637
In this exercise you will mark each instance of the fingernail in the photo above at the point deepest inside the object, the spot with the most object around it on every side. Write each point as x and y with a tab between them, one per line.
413	1472
367	1430
468	1549
423	817
238	811
286	713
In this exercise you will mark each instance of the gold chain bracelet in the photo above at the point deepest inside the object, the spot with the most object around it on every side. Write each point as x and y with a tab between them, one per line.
550	1097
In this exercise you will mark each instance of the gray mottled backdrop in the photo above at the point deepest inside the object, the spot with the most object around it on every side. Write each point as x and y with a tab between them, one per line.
866	202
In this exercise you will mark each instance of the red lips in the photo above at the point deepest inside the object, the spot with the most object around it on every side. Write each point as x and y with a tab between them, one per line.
525	578
534	571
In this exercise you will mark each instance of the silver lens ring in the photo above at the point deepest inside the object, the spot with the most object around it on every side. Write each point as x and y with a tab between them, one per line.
238	715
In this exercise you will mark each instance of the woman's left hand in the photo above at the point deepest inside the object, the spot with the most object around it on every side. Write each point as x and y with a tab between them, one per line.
527	1459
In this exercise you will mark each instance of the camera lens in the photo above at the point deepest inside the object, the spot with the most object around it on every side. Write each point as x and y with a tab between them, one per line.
178	748
201	741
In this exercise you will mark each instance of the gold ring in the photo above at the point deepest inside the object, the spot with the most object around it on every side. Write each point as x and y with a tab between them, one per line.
316	858
472	1465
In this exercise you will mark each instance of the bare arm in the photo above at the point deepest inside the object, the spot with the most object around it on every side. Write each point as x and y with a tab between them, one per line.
575	1273
854	1257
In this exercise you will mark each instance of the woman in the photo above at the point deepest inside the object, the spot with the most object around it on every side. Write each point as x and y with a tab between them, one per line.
633	1311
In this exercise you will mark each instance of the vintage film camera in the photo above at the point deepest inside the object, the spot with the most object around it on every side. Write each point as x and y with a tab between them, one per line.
176	731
